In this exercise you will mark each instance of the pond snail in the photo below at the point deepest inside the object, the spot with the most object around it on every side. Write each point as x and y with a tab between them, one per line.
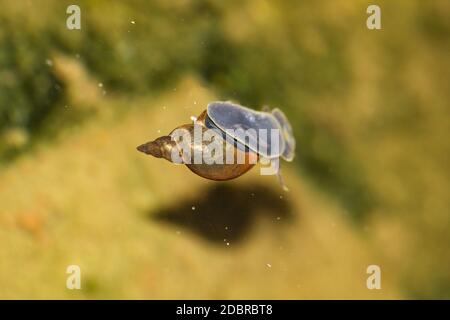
236	139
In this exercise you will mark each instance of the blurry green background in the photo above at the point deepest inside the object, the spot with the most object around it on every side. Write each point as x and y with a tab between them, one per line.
369	185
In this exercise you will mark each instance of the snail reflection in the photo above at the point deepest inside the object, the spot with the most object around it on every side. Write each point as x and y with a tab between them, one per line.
227	140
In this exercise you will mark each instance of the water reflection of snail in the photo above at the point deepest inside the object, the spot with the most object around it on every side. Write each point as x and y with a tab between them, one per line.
239	130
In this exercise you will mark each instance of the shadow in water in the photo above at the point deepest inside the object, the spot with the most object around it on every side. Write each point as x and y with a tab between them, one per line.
227	211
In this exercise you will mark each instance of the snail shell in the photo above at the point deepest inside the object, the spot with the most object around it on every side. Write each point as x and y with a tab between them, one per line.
221	116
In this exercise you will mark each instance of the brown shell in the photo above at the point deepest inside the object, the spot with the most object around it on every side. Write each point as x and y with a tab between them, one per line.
163	146
219	171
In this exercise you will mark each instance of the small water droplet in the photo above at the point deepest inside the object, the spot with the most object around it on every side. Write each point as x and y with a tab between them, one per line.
269	265
133	22
49	62
193	207
100	85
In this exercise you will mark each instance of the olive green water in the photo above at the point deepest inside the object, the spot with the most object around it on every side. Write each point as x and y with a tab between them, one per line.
369	184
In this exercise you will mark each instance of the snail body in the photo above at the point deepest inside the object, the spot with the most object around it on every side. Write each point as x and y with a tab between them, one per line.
235	153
